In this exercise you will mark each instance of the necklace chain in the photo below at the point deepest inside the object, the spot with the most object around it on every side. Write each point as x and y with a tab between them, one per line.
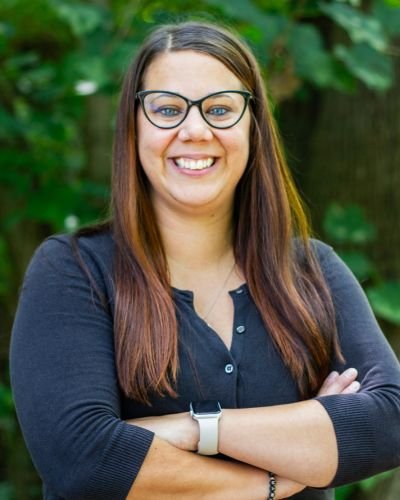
218	295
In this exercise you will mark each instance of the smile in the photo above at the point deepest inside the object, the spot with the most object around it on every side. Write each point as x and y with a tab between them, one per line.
190	164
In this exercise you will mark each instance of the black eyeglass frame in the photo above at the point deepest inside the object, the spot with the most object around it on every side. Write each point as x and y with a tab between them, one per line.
198	102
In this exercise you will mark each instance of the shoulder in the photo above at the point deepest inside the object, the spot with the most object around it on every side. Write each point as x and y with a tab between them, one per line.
320	250
334	269
96	242
71	254
338	276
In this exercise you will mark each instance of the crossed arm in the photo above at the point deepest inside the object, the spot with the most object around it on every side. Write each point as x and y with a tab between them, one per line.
295	441
71	416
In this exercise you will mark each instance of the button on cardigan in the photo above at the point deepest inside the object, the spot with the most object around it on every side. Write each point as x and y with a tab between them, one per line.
72	412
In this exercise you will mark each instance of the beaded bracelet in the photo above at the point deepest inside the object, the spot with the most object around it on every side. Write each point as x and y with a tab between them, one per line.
272	486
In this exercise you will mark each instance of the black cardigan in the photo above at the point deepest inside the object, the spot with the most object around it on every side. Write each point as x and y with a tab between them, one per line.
71	409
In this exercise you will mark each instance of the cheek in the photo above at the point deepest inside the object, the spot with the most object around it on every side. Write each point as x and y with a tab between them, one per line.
143	136
152	142
238	145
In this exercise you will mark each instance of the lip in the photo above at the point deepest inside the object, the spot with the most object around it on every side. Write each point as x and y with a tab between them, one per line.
193	156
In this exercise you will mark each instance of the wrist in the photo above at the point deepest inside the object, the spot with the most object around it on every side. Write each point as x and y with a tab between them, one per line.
193	432
271	486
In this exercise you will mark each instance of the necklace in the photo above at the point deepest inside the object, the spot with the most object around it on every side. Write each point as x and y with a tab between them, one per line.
218	295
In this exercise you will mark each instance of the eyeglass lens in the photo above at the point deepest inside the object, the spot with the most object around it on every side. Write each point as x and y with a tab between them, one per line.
169	110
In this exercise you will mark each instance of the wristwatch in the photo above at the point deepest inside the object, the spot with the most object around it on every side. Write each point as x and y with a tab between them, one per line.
207	414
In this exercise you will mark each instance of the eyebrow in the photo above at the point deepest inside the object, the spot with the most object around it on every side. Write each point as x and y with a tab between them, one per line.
216	96
166	93
211	95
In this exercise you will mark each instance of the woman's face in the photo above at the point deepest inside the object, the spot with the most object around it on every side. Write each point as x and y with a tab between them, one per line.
177	161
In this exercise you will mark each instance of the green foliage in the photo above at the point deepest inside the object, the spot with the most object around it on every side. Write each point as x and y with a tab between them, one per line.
392	3
81	18
347	228
5	272
6	401
311	60
7	491
345	492
373	69
366	58
42	148
361	28
385	300
388	14
347	224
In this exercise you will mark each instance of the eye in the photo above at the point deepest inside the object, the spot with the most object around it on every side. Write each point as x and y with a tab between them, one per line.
218	111
167	111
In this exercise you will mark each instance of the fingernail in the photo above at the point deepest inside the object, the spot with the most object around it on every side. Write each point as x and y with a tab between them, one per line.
351	373
355	386
331	377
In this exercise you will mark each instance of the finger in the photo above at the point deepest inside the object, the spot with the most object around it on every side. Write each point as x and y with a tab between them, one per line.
352	388
327	382
341	382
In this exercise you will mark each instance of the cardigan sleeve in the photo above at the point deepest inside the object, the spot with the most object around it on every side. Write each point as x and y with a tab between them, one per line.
367	423
64	379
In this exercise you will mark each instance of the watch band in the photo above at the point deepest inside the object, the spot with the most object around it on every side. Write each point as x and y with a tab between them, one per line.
207	413
208	444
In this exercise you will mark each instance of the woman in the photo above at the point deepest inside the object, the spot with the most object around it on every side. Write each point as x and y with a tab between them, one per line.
203	293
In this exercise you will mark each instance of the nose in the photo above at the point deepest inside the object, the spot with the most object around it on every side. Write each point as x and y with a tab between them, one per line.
194	127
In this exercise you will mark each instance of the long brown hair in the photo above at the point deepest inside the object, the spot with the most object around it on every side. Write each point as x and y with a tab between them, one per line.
271	238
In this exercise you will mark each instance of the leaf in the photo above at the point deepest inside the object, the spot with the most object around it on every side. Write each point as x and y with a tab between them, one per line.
243	9
87	68
6	400
392	3
7	491
373	69
388	14
370	483
20	61
312	61
6	30
385	300
9	126
121	55
344	492
361	266
359	26
347	224
270	26
82	19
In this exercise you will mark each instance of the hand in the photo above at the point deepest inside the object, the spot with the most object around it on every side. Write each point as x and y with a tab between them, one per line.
345	383
178	429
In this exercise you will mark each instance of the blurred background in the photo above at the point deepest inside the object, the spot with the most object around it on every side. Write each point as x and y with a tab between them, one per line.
332	70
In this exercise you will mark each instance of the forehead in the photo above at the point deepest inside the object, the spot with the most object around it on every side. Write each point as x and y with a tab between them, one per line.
190	73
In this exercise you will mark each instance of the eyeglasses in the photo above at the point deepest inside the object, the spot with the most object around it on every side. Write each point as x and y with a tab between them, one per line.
168	110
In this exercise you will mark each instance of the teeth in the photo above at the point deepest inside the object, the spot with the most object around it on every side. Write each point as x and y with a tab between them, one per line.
194	164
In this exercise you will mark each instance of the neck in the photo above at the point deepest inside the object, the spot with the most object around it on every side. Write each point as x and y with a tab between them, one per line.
196	244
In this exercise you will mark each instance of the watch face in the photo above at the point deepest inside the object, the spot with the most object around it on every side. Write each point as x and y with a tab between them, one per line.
206	407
